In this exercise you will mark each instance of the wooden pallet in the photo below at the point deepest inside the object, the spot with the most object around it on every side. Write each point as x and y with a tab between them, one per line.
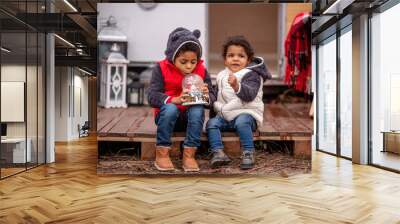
136	124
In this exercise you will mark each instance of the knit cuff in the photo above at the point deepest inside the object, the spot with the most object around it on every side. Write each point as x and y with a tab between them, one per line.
168	100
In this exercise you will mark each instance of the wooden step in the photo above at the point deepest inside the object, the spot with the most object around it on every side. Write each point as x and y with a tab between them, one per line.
282	122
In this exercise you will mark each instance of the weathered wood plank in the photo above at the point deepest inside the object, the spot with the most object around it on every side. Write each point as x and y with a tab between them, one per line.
131	118
280	120
284	121
147	128
120	118
138	123
115	139
105	116
203	138
302	149
147	151
232	148
110	120
300	112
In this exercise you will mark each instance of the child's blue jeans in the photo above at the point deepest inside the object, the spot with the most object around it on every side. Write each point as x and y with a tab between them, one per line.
244	125
170	119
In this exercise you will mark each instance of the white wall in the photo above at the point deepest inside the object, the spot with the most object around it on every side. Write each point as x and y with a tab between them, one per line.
80	98
71	87
62	82
14	73
17	73
33	126
148	31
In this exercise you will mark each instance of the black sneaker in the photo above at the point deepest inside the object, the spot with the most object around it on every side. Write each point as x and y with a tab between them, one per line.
247	160
219	158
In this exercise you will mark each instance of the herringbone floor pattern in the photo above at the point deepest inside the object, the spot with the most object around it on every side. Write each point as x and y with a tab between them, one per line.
70	191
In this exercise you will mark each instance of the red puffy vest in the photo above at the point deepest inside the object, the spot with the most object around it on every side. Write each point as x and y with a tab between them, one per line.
173	80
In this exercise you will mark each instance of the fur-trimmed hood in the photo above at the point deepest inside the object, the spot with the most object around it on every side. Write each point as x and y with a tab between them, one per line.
257	65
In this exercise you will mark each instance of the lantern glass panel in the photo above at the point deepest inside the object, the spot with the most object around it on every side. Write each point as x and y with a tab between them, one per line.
121	70
112	72
113	96
116	83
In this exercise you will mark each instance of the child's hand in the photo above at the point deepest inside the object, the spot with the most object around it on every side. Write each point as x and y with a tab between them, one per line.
182	98
184	95
204	89
232	80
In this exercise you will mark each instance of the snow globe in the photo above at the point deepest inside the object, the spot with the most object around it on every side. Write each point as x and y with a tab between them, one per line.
195	96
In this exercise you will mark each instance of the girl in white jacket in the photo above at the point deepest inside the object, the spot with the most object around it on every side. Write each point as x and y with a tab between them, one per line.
239	104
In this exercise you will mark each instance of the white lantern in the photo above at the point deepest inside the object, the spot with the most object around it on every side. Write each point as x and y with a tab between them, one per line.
113	79
109	35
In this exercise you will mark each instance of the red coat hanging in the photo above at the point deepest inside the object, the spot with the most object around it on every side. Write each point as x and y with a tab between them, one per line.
298	53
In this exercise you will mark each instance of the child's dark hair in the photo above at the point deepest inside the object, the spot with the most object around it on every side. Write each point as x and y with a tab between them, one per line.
239	41
189	47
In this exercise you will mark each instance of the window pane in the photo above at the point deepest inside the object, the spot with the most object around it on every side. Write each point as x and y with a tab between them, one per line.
385	84
31	97
346	94
327	97
22	64
14	153
41	98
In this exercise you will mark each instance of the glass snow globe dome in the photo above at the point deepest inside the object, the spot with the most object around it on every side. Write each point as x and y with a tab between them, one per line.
194	84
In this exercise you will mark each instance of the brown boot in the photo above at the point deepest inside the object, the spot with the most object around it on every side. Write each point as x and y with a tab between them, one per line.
188	161
163	162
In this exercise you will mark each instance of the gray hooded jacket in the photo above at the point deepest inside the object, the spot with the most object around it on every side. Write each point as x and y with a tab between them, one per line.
176	40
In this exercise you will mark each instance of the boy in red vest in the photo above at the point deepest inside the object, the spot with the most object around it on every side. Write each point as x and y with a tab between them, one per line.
165	95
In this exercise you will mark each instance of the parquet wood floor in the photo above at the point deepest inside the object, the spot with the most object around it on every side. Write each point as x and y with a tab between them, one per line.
70	191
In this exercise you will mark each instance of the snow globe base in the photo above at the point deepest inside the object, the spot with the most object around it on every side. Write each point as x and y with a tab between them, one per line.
194	103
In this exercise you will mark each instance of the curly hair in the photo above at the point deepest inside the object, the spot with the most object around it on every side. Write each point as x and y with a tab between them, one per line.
238	41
